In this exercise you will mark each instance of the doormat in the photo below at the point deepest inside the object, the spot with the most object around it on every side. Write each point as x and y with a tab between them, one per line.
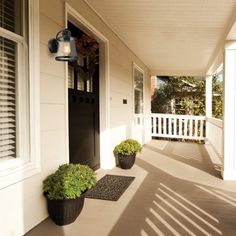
110	187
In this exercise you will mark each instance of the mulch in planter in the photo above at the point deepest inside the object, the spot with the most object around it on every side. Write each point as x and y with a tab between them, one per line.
110	187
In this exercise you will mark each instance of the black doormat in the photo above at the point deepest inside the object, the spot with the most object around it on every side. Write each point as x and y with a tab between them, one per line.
110	187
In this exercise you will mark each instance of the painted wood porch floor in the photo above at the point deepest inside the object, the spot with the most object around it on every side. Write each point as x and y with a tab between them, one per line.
177	191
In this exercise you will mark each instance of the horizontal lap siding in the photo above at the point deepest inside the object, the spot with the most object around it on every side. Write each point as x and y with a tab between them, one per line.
29	208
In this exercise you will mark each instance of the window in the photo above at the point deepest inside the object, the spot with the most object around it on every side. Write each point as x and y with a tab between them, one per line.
11	20
138	76
18	94
7	98
81	76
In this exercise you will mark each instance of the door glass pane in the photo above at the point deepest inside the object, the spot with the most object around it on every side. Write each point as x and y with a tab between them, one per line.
88	59
70	77
89	85
80	83
138	91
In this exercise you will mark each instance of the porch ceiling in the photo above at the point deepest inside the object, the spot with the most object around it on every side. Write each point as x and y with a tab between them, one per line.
170	37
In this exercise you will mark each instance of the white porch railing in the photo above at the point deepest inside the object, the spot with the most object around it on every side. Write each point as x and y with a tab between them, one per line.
178	126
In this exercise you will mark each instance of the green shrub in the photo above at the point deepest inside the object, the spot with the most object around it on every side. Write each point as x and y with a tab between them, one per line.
69	181
127	147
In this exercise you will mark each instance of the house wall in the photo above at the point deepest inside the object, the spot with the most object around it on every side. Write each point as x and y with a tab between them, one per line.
23	205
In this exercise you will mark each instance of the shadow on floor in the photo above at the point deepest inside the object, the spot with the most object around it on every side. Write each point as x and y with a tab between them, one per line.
191	154
47	227
165	205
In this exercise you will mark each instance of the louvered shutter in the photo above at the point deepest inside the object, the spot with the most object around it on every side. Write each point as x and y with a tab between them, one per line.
7	99
11	15
8	49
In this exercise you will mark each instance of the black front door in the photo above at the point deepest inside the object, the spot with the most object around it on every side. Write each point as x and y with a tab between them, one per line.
83	113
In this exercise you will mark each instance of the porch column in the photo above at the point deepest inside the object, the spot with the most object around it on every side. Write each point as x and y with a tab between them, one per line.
229	121
208	102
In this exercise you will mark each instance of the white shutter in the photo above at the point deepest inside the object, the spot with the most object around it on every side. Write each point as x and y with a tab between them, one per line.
11	20
7	98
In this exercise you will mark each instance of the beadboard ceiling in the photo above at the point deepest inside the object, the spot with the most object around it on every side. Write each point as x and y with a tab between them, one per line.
170	36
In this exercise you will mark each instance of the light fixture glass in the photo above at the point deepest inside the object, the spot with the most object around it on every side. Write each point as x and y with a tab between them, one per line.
63	46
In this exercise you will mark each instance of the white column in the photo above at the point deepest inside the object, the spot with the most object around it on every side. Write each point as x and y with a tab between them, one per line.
229	121
208	102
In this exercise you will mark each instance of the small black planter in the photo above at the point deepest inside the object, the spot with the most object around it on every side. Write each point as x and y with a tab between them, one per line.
64	212
126	161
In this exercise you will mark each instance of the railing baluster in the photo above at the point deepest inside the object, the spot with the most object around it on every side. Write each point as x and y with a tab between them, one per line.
175	126
185	127
169	128
201	129
191	128
164	118
196	128
180	127
159	126
152	131
155	125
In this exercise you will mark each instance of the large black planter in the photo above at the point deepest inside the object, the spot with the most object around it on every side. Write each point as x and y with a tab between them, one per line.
64	212
126	161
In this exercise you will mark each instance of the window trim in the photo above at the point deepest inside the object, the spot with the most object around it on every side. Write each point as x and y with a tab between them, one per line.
16	170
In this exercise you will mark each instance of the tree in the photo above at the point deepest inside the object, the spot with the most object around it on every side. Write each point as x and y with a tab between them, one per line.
185	92
217	100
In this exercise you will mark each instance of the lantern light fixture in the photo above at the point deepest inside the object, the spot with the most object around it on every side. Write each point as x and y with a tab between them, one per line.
64	46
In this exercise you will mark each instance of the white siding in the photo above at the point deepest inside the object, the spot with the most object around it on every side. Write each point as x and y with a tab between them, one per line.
27	204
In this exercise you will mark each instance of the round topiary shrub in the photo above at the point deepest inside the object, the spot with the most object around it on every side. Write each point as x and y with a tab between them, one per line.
128	147
126	152
65	190
69	182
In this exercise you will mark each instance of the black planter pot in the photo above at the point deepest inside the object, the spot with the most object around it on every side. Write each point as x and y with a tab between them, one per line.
64	212
126	161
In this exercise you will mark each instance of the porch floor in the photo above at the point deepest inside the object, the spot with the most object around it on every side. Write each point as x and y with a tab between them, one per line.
177	191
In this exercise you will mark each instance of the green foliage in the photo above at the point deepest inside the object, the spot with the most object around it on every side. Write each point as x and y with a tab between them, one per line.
127	147
187	94
217	100
69	181
161	101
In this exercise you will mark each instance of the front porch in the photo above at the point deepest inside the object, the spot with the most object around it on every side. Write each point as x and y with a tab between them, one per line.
177	191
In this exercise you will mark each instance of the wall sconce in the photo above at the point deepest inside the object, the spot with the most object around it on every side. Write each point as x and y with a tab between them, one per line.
64	46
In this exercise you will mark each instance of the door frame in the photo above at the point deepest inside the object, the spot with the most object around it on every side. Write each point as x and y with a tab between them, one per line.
104	98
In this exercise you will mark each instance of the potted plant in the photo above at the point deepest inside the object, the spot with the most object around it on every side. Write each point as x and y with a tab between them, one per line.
126	152
65	191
